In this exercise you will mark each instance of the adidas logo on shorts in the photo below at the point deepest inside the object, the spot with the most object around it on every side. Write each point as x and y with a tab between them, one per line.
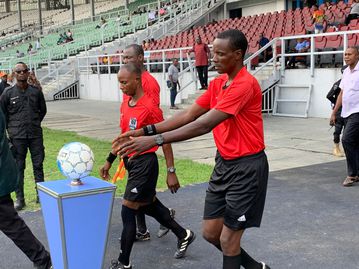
242	218
134	190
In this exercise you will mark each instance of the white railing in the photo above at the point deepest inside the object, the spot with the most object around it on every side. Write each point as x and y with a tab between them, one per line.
54	79
268	100
313	52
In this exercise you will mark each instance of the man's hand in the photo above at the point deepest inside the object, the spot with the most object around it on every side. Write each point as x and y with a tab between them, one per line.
125	137
172	182
333	119
104	171
138	145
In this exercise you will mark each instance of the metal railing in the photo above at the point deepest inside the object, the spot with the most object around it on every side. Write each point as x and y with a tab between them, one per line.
70	92
60	77
313	50
268	100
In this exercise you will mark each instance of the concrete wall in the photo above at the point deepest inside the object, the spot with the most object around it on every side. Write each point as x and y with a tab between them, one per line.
322	82
105	87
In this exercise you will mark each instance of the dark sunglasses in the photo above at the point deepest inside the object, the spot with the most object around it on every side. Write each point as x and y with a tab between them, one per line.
24	71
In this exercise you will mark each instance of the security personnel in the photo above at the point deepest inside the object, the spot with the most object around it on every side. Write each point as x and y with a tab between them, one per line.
24	108
10	223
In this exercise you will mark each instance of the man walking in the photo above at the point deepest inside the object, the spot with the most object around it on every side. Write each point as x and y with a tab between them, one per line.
173	81
24	108
10	222
202	55
348	99
231	107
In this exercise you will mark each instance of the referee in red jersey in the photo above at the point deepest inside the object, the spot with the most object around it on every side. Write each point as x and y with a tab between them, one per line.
134	54
231	107
140	194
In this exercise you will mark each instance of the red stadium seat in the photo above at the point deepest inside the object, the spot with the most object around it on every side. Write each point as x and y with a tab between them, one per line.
320	42
334	41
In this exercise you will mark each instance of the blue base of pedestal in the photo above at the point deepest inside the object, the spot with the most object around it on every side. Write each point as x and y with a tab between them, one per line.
77	220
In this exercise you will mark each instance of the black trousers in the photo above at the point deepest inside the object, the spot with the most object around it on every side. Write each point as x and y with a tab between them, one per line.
203	75
173	94
16	229
350	143
37	151
339	124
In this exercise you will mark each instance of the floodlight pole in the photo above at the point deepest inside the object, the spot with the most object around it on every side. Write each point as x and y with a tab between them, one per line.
40	15
7	6
92	4
72	6
19	13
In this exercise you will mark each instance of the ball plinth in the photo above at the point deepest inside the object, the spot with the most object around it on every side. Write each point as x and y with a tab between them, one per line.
76	182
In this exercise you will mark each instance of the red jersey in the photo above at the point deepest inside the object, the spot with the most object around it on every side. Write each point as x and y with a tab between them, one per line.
241	134
145	112
150	87
201	52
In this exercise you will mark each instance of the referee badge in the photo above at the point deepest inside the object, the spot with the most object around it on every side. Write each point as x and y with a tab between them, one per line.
133	123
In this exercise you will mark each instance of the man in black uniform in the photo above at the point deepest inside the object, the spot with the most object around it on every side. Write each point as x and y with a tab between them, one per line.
24	108
10	223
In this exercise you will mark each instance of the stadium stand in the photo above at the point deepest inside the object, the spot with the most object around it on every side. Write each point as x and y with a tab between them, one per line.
276	24
85	35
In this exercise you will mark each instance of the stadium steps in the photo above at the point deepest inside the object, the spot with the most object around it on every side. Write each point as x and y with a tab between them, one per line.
51	87
265	77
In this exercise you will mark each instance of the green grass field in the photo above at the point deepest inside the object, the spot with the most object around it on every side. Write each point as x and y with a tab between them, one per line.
188	171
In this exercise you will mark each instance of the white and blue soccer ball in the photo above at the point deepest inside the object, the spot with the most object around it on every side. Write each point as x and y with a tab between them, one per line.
75	160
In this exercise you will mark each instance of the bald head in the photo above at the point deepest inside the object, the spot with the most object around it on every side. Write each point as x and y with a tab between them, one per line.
134	54
351	57
129	78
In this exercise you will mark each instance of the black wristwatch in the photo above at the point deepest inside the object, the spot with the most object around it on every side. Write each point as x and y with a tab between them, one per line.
171	169
159	139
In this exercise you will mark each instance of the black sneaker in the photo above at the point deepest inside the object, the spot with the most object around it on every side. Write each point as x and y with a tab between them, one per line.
19	205
264	266
183	244
115	264
164	230
143	237
47	265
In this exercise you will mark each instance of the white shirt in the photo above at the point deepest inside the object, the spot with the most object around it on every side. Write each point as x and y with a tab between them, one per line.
173	71
355	8
350	87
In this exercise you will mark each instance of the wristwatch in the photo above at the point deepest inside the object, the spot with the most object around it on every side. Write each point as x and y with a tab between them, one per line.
171	169
159	139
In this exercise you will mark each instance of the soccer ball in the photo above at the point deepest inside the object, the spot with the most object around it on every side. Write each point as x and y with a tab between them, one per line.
75	160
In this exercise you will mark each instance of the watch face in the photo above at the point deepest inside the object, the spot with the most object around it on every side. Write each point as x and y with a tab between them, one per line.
159	139
171	169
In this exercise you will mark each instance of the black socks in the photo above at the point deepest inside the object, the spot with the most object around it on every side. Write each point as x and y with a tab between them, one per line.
246	261
232	262
141	222
161	213
128	234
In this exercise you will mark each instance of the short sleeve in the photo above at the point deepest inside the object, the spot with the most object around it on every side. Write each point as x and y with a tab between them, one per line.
341	84
170	71
157	114
205	99
236	98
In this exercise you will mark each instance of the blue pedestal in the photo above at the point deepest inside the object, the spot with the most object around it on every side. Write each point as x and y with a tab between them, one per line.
77	220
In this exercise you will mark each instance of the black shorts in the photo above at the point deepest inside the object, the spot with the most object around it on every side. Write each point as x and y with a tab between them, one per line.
237	191
142	178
